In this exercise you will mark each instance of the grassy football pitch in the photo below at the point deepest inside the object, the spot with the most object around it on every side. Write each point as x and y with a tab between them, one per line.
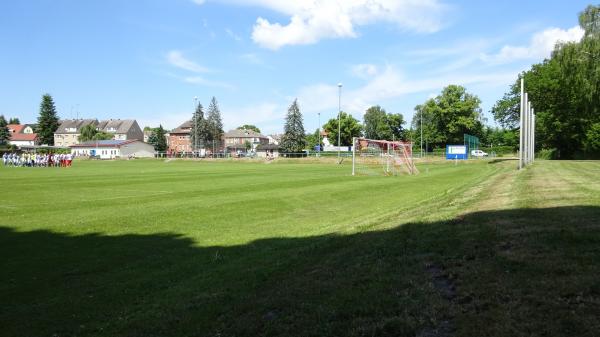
181	248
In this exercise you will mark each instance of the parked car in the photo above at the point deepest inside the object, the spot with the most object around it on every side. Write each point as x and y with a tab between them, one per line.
478	153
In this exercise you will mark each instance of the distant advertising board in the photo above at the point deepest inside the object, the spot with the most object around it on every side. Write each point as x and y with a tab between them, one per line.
457	152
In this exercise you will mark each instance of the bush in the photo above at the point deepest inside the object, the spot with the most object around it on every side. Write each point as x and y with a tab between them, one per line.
546	154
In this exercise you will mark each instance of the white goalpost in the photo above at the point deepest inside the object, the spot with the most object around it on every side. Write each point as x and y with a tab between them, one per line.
381	157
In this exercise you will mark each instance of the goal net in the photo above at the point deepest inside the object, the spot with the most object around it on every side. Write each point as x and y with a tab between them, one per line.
382	157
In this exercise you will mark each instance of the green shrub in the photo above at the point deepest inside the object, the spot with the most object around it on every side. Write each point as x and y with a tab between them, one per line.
546	154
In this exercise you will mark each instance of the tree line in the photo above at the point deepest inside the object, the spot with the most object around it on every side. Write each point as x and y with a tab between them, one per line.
441	120
565	93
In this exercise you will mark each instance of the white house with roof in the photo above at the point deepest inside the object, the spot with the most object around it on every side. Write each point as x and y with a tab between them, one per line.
111	149
236	140
122	129
69	130
21	135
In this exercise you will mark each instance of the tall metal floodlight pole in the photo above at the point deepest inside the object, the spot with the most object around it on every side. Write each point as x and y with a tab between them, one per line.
195	124
421	134
527	129
319	114
339	123
521	113
532	136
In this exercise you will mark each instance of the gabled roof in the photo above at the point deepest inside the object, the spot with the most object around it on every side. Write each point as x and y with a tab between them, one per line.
105	143
243	134
186	127
74	125
15	128
116	125
264	147
23	136
17	134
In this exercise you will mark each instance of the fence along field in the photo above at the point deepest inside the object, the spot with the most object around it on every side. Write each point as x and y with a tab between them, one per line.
154	248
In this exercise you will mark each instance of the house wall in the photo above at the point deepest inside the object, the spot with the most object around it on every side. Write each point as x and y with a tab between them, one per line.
179	142
242	140
22	142
66	139
263	154
137	149
103	152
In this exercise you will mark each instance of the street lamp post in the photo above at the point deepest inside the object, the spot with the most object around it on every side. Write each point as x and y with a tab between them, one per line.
319	114
421	134
195	124
339	124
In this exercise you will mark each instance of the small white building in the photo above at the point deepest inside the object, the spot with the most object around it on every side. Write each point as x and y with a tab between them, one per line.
111	149
268	150
21	135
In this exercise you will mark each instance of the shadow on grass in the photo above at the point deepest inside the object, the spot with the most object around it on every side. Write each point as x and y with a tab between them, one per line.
501	160
516	272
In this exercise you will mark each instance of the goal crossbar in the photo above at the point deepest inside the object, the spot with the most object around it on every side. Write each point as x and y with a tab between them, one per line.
390	156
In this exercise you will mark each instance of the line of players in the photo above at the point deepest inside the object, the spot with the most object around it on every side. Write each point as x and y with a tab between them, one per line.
37	160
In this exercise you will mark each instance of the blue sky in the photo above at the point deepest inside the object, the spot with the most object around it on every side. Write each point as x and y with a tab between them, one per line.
148	59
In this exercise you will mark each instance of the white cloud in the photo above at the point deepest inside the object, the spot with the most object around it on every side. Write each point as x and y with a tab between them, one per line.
169	120
233	35
540	47
176	59
252	58
199	2
312	20
202	81
268	116
364	71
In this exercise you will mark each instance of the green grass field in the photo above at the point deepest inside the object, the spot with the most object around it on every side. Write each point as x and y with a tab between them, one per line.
300	248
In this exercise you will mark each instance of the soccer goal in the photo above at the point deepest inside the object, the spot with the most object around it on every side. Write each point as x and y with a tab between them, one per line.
382	157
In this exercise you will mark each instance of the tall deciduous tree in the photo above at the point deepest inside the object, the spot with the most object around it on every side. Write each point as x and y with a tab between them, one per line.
312	140
448	116
293	140
564	91
89	132
349	128
379	124
4	133
47	121
214	124
158	139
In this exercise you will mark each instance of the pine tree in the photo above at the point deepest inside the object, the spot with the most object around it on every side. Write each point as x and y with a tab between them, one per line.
158	139
293	140
47	121
4	133
214	127
14	120
198	128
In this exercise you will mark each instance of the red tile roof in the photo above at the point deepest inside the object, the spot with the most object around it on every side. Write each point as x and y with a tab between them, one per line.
23	136
16	128
16	133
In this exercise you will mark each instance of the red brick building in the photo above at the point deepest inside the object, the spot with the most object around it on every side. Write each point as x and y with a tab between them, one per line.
179	138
